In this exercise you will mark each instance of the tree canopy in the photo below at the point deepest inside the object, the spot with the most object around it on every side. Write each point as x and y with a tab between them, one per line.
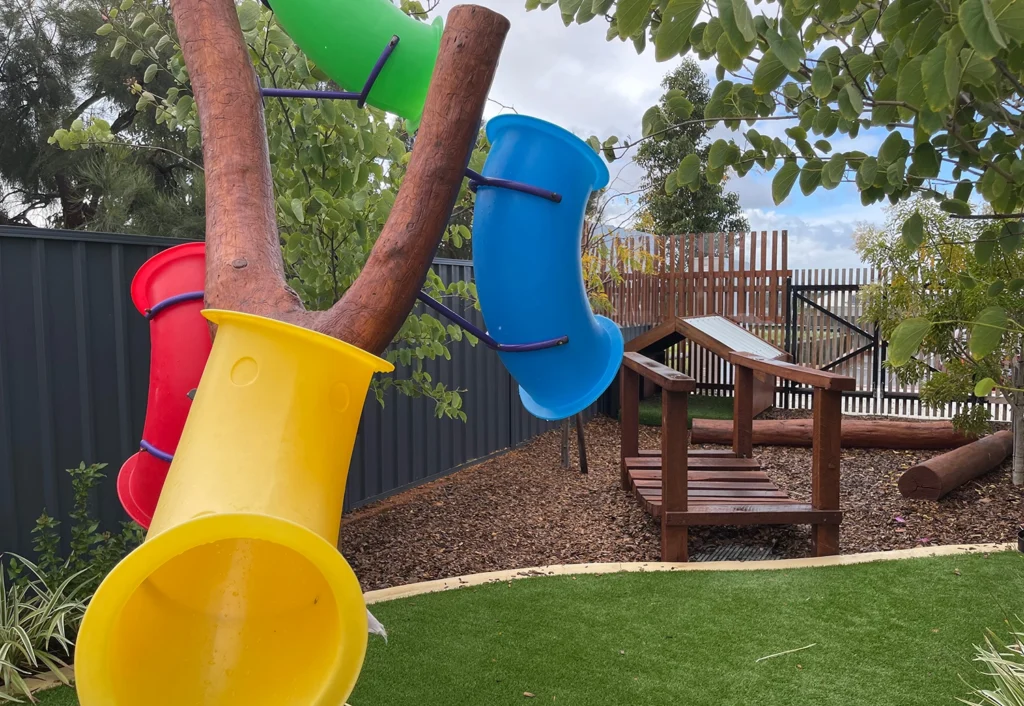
668	209
942	77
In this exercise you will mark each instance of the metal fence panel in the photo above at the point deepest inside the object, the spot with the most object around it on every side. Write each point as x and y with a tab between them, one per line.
74	377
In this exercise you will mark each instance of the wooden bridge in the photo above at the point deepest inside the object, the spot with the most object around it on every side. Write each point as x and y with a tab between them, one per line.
728	487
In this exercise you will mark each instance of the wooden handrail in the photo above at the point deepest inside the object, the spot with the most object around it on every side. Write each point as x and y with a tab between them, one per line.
821	379
665	377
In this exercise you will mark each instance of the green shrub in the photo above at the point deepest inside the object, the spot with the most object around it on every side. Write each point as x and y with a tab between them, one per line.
1004	663
42	603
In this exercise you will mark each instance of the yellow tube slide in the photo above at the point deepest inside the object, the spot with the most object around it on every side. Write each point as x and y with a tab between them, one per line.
239	597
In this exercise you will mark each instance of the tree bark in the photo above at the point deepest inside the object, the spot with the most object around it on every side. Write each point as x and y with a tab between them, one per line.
931	479
373	309
245	271
1017	417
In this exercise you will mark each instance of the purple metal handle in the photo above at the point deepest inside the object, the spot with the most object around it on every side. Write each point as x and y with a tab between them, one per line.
171	301
484	336
476	179
360	97
154	451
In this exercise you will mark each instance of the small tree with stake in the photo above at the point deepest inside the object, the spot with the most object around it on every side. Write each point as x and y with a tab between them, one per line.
955	294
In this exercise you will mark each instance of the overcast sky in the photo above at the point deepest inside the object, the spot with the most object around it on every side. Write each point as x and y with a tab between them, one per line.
573	77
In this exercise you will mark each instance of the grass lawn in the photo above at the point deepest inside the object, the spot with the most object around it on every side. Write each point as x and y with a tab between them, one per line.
699	407
895	632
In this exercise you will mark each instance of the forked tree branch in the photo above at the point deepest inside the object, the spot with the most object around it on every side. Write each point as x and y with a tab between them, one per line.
244	269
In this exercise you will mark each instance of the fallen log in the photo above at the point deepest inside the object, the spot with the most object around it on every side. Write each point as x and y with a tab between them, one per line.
857	433
932	479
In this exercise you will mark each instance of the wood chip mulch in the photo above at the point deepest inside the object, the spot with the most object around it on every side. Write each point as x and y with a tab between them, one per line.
523	509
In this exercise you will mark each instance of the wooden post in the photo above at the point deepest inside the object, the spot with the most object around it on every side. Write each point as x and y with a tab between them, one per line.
565	443
743	412
581	442
629	402
828	415
674	481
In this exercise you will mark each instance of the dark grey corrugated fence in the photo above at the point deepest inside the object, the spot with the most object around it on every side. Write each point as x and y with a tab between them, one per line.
74	367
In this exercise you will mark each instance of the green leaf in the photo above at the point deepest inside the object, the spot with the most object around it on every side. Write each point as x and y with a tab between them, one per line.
968	282
956	207
940	75
601	7
118	47
913	231
928	28
832	173
810	176
851	104
884	91
996	288
867	172
910	87
906	340
718	154
926	160
769	74
608	148
150	73
893	147
104	30
785	42
653	121
1010	236
984	387
1009	16
300	214
976	70
688	172
987	332
677	102
979	26
784	180
737	24
984	248
860	65
821	80
630	16
1016	285
248	15
137	57
676	23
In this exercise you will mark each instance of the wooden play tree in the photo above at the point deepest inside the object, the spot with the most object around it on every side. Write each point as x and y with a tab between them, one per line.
245	271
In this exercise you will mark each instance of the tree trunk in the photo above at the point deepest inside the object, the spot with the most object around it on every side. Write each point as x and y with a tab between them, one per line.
244	269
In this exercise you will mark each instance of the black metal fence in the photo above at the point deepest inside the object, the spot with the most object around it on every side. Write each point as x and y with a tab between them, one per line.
74	376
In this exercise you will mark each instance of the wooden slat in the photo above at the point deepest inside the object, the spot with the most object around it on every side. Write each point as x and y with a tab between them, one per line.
755	514
699	464
723	476
762	311
713	485
668	379
743	413
796	373
694	453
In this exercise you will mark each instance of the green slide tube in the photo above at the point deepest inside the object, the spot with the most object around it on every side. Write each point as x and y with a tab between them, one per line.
346	37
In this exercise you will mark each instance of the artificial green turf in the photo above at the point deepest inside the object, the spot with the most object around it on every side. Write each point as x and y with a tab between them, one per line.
698	407
896	632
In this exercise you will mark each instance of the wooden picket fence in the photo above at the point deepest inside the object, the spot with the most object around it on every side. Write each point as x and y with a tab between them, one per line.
740	275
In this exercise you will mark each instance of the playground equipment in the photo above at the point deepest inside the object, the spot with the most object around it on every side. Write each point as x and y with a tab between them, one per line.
369	45
239	595
685	487
167	290
239	579
526	256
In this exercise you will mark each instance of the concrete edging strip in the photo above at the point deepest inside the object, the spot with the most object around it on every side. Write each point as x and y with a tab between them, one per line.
418	589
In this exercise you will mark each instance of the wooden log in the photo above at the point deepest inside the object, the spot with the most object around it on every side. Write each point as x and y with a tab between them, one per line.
932	479
856	433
